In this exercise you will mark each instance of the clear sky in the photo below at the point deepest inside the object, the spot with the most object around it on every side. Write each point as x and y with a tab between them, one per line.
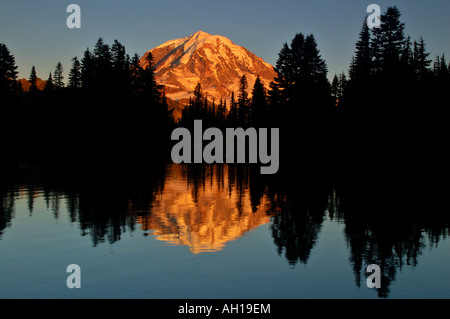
36	32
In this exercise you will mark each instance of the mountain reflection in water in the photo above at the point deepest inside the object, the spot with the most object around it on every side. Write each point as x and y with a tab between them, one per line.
204	218
390	211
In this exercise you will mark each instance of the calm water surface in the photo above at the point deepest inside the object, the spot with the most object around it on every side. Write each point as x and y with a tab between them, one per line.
175	231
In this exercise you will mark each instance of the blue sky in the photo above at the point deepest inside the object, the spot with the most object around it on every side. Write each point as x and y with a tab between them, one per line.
36	31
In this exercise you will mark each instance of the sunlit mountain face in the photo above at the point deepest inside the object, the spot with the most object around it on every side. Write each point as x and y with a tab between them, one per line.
204	218
213	60
40	84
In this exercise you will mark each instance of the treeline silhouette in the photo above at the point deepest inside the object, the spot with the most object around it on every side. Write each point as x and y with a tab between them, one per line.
238	111
393	99
109	100
392	213
102	198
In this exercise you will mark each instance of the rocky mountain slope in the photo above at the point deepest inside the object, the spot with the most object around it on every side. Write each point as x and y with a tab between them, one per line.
213	60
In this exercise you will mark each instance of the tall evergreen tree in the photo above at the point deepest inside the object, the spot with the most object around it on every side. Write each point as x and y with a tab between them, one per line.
274	99
136	75
343	83
88	70
232	118
221	111
119	58
150	89
285	79
338	87
361	67
421	63
393	79
243	102
75	74
19	87
388	42
103	66
9	90
205	107
354	104
407	54
121	67
33	80
258	109
302	82
8	72
335	88
440	70
197	102
58	76
49	83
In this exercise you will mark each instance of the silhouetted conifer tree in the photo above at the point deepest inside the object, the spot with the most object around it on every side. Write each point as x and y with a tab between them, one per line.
33	80
8	73
338	87
335	88
361	66
49	83
258	109
150	90
9	91
58	76
302	87
243	102
221	112
440	69
75	74
19	87
205	108
385	112
232	118
354	105
274	98
103	66
407	55
388	42
421	63
136	75
197	102
88	70
121	67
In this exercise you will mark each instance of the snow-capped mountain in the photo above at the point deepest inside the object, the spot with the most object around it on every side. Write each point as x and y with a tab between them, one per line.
213	60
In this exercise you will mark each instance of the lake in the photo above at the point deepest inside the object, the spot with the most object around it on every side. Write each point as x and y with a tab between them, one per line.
162	230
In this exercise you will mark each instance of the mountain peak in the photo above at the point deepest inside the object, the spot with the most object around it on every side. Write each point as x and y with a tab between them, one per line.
197	39
200	33
213	60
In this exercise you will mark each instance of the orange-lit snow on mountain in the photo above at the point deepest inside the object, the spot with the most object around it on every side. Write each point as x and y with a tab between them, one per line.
40	84
213	60
204	219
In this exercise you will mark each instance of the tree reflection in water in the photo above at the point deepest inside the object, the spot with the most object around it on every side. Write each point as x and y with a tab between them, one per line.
390	209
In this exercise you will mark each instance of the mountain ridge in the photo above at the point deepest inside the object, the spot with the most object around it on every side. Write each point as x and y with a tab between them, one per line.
40	84
214	61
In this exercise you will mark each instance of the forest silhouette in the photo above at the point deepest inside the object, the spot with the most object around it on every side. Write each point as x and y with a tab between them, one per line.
393	100
390	216
102	139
